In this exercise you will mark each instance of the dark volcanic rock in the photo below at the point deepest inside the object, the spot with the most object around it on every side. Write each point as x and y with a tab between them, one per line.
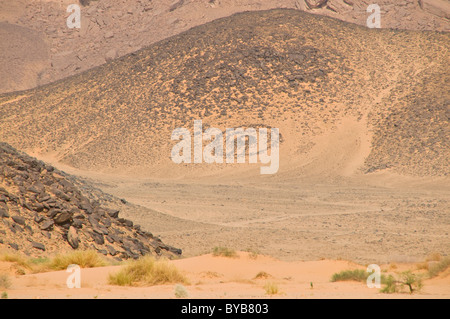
72	238
47	225
48	206
19	220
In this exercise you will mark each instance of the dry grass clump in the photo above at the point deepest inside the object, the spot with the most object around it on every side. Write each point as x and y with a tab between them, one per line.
224	252
82	258
434	264
147	271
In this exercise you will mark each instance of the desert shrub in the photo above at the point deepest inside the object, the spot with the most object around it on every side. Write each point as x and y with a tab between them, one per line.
434	257
5	282
252	254
224	252
180	291
271	288
390	285
406	279
262	275
147	271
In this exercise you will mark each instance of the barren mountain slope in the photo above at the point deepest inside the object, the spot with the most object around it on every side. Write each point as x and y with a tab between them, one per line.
317	79
111	28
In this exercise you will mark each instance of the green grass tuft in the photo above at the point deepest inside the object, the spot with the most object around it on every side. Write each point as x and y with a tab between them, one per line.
82	258
351	275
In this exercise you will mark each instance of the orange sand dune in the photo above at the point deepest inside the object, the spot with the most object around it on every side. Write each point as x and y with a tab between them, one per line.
222	277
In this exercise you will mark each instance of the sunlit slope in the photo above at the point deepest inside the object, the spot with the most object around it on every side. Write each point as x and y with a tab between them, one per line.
346	99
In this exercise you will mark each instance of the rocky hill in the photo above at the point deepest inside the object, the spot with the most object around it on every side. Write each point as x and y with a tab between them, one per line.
42	212
303	73
38	48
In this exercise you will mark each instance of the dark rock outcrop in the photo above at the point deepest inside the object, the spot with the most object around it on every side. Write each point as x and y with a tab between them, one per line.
41	210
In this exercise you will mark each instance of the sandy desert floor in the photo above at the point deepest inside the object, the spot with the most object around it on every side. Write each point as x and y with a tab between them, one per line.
224	277
374	218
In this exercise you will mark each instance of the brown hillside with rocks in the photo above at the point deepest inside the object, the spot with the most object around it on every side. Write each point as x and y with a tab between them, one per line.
111	28
43	212
320	80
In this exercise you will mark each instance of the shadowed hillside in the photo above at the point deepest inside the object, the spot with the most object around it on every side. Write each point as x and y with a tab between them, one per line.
307	75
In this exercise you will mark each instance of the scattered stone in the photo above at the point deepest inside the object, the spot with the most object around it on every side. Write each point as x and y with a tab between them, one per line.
19	220
38	246
113	213
62	218
72	237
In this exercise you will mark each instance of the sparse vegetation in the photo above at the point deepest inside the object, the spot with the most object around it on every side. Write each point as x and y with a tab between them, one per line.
390	285
147	271
211	274
4	295
82	258
271	288
5	282
262	275
439	267
224	252
434	257
17	259
252	254
406	279
351	275
180	291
